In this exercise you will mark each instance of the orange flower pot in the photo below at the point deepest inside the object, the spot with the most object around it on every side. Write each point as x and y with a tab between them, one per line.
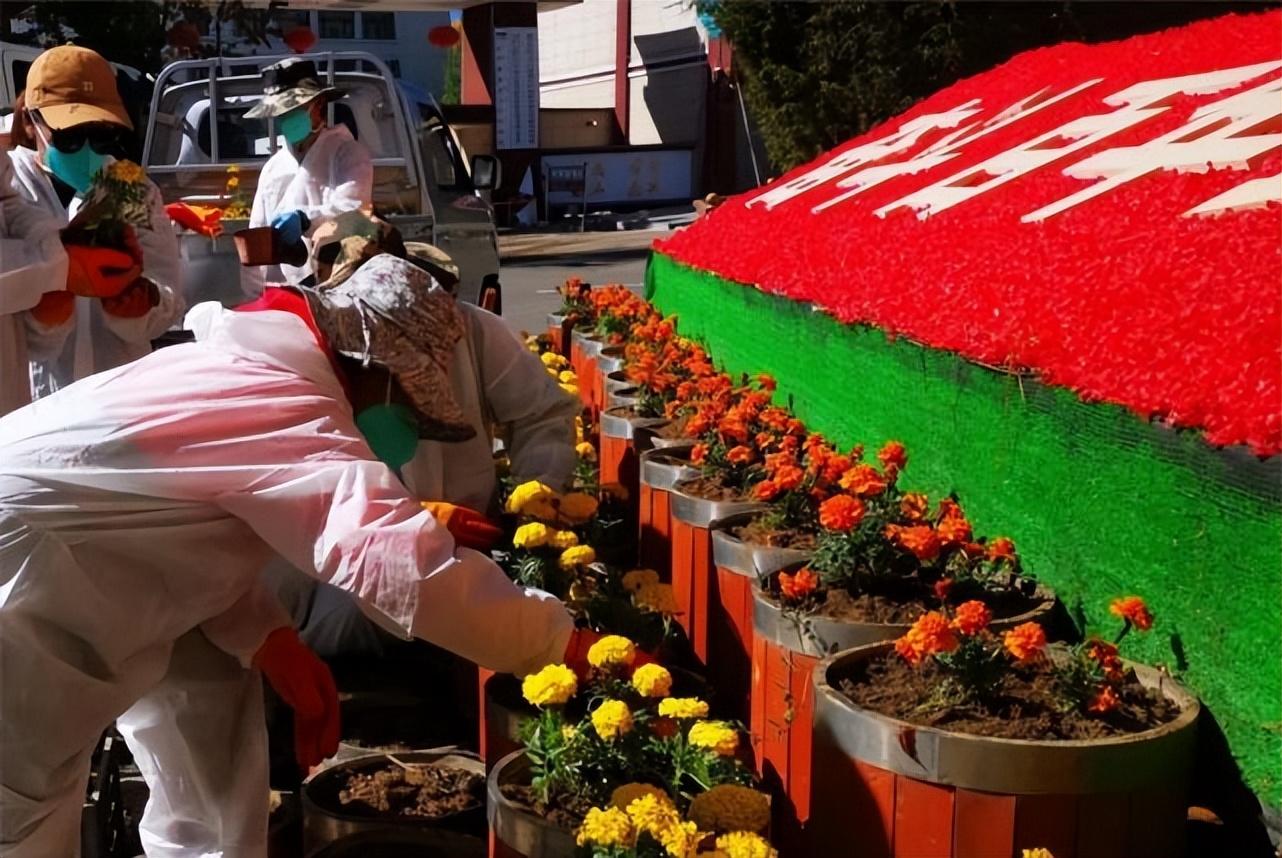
558	331
660	470
583	353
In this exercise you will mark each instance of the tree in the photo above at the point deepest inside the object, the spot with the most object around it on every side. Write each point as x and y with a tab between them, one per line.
817	74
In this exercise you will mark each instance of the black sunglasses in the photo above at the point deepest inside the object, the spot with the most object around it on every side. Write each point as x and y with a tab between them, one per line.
101	137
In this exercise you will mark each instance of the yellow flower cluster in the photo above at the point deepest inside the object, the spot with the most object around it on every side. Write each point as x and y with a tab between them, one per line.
636	579
612	719
729	807
554	361
628	793
527	495
586	451
683	708
745	844
652	680
579	555
608	827
656	816
564	539
1038	853
612	651
554	685
126	171
715	736
657	598
532	535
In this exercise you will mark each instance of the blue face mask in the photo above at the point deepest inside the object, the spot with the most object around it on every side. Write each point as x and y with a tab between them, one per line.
75	168
296	126
392	433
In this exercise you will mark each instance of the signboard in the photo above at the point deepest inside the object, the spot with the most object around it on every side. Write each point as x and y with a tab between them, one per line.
644	176
516	87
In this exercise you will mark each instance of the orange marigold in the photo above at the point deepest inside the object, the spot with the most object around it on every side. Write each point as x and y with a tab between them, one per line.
789	477
864	481
1026	642
914	506
893	455
971	617
1001	548
699	454
841	513
1106	700
1133	610
921	540
954	529
798	586
740	455
766	382
766	490
904	647
1105	655
930	635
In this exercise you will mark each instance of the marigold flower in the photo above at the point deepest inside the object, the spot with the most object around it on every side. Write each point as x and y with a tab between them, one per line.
1037	853
570	389
657	598
789	477
730	807
698	454
606	828
745	844
652	680
1001	548
127	171
612	719
766	382
578	507
715	736
942	588
628	793
612	651
636	579
564	539
841	513
532	535
971	617
655	815
1133	610
797	587
579	555
834	468
921	540
528	493
914	506
683	708
740	455
863	481
567	376
766	490
554	685
954	529
585	451
893	455
1025	642
1105	655
554	360
1105	700
929	635
908	651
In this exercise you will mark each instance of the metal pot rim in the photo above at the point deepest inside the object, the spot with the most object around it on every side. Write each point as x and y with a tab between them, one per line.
733	554
620	425
701	512
510	823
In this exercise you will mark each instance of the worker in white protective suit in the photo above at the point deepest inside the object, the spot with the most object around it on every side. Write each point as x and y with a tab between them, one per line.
139	508
320	173
78	120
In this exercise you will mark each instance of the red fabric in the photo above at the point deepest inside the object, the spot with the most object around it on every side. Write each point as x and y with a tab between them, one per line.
1122	299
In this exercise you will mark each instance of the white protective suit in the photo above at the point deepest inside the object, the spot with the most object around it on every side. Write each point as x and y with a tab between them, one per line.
335	176
141	504
32	262
93	340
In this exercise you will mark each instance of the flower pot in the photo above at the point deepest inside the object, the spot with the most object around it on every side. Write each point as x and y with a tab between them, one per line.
617	380
785	650
261	245
661	469
609	360
327	821
618	455
583	352
556	330
516	831
738	565
692	519
901	789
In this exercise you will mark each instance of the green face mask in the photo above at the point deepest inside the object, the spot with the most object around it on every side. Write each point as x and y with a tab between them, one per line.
296	125
392	433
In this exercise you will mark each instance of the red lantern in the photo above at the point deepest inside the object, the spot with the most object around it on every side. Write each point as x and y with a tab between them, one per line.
184	36
300	39
443	37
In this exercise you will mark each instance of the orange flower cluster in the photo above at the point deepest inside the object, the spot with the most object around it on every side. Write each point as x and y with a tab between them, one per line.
841	513
921	540
971	617
1133	610
1026	642
796	587
1105	655
930	635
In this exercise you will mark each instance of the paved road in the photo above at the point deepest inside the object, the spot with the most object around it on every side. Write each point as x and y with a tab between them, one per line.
533	266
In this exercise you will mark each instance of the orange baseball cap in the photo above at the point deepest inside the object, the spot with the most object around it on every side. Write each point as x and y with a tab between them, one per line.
72	86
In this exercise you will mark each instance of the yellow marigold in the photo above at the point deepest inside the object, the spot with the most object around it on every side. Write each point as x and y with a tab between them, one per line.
553	372
533	535
571	389
608	827
652	680
567	376
612	719
528	493
715	736
683	707
659	598
233	183
568	732
730	807
554	685
564	539
233	168
628	793
578	507
611	651
1038	853
579	555
586	451
553	359
745	844
126	171
636	579
656	816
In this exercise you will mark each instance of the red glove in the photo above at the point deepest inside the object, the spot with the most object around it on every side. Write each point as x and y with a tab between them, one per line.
54	308
132	247
304	682
468	527
136	300
100	272
576	652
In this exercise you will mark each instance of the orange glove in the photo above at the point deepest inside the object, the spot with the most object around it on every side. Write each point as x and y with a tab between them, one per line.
468	527
304	682
54	308
136	300
100	272
576	653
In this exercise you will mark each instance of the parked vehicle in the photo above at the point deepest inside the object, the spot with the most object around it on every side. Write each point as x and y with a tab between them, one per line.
197	130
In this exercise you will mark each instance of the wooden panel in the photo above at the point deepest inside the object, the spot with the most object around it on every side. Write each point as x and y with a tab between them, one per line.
1102	823
1157	824
800	732
701	573
611	456
923	819
729	659
757	703
774	744
983	825
682	573
1048	822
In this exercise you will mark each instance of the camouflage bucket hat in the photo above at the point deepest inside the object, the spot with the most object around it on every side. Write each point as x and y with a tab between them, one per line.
434	261
287	85
391	313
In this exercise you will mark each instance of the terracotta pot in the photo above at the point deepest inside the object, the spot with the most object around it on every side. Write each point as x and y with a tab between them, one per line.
785	650
692	520
901	789
516	831
661	469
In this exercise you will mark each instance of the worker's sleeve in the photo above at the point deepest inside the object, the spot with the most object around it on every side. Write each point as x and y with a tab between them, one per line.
351	185
29	269
538	414
241	629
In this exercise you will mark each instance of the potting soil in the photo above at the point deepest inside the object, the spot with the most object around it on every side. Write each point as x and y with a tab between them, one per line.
422	791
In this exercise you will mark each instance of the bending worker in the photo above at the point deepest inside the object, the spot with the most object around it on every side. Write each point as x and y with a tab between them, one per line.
141	506
320	173
79	123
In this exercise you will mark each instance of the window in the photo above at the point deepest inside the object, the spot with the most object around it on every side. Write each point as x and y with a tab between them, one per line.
378	25
337	25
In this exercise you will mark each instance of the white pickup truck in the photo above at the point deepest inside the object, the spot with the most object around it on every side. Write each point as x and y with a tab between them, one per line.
197	130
